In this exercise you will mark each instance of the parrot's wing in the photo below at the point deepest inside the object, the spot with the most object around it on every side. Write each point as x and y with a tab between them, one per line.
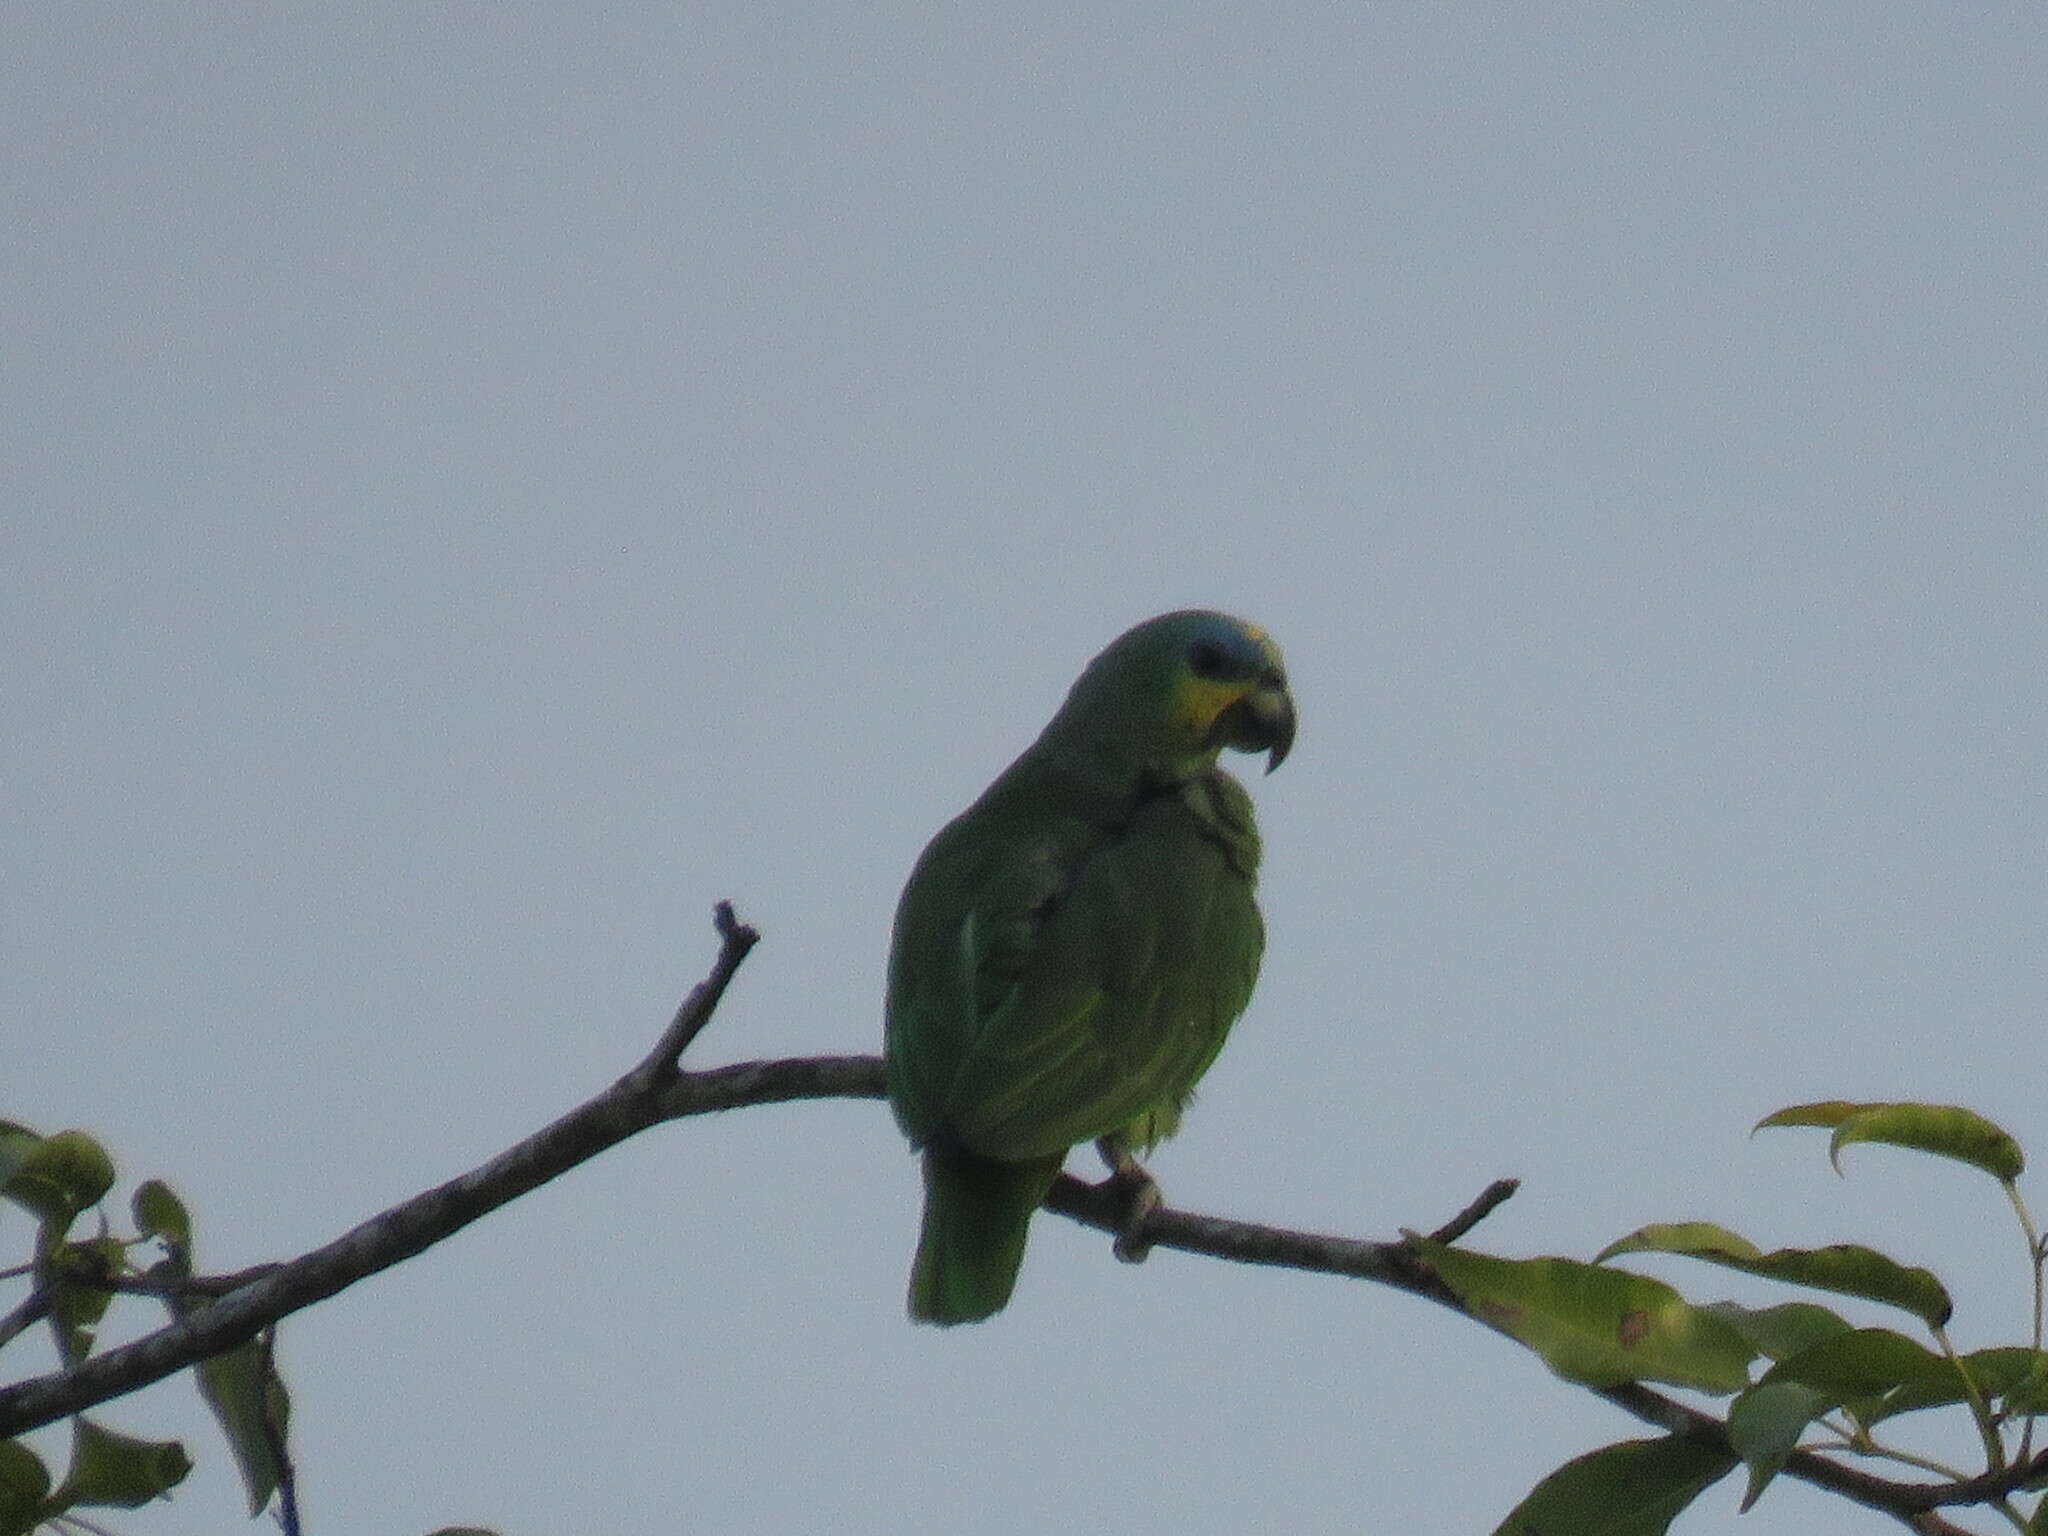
1104	1001
965	932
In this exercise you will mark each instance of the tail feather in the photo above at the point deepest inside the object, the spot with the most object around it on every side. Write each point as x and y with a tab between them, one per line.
976	1215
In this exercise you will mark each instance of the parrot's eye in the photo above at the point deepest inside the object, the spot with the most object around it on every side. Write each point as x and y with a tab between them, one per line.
1207	660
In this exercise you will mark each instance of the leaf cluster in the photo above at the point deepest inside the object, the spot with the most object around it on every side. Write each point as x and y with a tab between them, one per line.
1803	1381
59	1180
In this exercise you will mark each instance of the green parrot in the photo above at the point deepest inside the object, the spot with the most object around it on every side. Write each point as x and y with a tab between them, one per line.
1071	950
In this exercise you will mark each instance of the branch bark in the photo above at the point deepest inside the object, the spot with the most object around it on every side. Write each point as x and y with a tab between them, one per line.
657	1090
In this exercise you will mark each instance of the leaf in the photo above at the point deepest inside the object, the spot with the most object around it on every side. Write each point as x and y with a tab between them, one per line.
1764	1425
1636	1488
59	1177
1697	1237
1847	1268
1828	1112
241	1390
1947	1130
1681	1237
160	1213
2011	1373
241	1387
16	1142
1864	1370
2029	1395
24	1481
118	1471
1784	1329
81	1300
1594	1324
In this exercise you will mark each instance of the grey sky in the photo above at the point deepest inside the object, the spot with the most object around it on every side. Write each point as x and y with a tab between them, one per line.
485	482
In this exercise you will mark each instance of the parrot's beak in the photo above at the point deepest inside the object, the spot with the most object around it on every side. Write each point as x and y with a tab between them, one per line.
1261	721
1276	714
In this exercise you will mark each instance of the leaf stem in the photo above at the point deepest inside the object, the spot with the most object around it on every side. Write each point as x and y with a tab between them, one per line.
1994	1447
2037	1256
1860	1443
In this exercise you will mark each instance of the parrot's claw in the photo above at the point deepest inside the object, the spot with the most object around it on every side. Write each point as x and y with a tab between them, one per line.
1140	1194
1132	1246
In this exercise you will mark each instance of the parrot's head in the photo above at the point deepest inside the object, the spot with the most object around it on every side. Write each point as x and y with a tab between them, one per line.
1170	694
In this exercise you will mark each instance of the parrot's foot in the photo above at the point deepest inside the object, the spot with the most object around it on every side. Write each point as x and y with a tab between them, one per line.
1140	1194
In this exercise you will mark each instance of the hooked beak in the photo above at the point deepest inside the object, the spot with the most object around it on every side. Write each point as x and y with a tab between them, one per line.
1261	721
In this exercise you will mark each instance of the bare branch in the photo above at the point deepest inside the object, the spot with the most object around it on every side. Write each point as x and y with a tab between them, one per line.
33	1309
1490	1199
159	1280
665	1062
648	1095
1102	1206
621	1111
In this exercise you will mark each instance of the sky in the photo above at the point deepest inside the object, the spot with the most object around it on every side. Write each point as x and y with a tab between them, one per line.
486	482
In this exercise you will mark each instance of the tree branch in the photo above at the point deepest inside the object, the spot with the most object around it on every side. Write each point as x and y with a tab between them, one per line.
658	1089
652	1092
664	1064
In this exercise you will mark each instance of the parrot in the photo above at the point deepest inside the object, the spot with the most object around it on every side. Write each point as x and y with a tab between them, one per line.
1070	951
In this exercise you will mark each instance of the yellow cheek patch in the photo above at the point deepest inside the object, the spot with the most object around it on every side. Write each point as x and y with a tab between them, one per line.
1199	700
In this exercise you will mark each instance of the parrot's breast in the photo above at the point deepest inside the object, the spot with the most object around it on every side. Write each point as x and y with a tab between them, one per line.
1099	1004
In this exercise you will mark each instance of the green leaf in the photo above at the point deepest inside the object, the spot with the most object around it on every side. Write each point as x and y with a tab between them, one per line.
1864	1370
16	1142
242	1392
160	1213
59	1177
118	1471
2011	1374
1636	1488
1947	1130
2027	1396
1764	1425
1826	1112
1848	1268
241	1388
1681	1237
81	1300
1784	1329
2038	1526
1594	1324
24	1481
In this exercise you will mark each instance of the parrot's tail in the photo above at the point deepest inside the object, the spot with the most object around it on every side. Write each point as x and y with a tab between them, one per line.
976	1213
